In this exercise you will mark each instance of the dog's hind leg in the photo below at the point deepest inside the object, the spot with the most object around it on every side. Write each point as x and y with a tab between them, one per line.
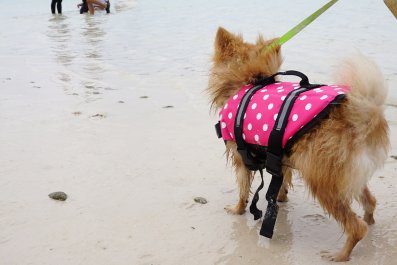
354	227
369	203
244	179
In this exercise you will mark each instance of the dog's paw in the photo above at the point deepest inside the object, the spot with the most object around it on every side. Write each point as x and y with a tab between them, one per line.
236	209
282	197
337	257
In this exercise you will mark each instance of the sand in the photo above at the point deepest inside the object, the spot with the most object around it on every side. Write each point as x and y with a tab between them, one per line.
112	111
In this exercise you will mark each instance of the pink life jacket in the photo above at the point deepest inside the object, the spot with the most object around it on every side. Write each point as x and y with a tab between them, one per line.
265	104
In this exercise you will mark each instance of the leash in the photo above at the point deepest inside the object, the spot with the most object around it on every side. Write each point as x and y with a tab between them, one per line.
392	5
295	30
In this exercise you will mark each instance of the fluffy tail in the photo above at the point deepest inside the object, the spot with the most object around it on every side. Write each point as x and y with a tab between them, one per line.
365	79
364	111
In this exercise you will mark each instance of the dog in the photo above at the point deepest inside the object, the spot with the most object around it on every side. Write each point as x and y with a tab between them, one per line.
336	157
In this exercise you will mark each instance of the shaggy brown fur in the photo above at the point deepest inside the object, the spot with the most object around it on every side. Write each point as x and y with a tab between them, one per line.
337	157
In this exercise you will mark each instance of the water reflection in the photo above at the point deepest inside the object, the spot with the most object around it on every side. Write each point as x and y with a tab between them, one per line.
59	34
124	5
249	243
77	47
93	35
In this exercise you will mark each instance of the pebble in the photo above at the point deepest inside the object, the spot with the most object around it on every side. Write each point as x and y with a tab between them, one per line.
200	200
98	115
58	195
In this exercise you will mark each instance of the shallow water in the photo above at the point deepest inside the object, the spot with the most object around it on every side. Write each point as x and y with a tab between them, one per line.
170	44
83	107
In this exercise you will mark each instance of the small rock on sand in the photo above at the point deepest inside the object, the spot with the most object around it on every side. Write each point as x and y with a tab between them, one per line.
200	200
98	115
58	195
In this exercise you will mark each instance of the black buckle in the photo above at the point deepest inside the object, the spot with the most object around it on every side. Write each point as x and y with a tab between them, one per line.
246	158
273	164
250	162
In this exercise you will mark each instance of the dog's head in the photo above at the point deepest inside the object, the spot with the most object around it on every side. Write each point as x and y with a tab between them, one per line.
237	63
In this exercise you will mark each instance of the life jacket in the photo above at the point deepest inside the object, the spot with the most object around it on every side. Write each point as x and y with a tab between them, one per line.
264	107
265	119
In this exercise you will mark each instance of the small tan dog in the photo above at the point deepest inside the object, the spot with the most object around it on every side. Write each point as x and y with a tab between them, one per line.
337	157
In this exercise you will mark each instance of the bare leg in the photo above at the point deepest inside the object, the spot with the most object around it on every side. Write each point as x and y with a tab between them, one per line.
90	7
369	203
90	4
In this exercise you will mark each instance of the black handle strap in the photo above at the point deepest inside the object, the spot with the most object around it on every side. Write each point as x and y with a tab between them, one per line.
271	79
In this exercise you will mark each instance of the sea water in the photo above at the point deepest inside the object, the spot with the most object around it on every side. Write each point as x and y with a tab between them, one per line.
167	45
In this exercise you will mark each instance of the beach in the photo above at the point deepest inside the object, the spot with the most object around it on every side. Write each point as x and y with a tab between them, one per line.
112	110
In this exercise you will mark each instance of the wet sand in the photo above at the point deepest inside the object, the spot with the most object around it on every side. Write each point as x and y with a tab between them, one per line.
112	111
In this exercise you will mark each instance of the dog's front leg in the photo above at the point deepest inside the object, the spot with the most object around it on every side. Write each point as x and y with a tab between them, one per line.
244	179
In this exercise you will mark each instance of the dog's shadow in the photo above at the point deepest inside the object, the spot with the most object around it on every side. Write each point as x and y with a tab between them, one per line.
251	248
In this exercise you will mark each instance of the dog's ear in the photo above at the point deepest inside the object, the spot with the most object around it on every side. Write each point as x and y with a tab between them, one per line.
227	45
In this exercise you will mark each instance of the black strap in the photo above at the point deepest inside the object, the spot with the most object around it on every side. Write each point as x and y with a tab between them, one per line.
271	79
274	161
249	160
274	153
269	220
275	146
253	208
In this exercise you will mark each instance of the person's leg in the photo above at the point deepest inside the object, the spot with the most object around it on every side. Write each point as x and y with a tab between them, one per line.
98	3
59	6
84	7
108	7
90	6
53	2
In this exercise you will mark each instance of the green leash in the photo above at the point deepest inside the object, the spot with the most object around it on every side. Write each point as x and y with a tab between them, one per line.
295	30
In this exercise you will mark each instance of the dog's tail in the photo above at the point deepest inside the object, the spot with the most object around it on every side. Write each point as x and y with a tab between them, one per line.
367	98
365	78
365	113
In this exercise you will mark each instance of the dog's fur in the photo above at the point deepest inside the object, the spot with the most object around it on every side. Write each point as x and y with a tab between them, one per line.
337	157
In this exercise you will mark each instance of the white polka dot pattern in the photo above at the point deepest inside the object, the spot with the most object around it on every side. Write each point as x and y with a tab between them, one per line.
265	104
